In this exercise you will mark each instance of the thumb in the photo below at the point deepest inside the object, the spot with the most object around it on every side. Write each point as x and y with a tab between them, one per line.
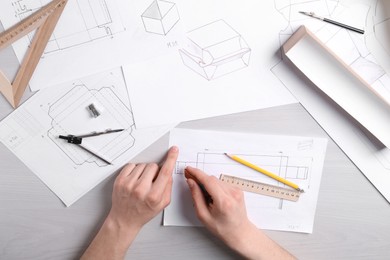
200	205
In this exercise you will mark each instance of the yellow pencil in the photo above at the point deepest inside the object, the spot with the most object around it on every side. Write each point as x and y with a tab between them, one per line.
263	171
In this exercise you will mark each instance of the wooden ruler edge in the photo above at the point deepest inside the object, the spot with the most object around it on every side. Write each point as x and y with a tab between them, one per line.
44	21
274	191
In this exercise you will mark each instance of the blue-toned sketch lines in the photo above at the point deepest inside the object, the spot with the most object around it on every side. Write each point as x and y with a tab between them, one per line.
90	19
69	115
214	50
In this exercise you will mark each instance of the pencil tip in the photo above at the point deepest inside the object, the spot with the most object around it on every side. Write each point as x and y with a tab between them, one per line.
228	155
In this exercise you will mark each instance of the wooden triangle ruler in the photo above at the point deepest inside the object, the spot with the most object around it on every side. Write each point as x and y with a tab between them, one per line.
43	21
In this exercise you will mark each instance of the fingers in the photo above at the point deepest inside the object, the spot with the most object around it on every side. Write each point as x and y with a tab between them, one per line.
211	184
170	160
165	173
197	174
149	173
166	197
200	203
137	171
122	177
160	193
126	170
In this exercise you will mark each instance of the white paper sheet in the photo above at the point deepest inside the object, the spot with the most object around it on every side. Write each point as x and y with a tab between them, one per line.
378	33
31	133
223	66
95	35
368	54
368	154
371	157
298	159
202	89
353	48
342	85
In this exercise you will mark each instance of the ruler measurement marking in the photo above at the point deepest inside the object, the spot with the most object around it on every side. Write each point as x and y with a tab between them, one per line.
261	188
30	21
43	21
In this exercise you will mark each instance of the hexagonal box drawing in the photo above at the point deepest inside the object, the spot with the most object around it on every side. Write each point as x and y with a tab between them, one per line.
160	17
215	49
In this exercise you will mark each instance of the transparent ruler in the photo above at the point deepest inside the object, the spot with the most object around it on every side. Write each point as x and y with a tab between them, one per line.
261	188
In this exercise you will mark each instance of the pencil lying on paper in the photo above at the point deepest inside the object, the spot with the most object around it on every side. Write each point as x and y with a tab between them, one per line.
312	14
264	171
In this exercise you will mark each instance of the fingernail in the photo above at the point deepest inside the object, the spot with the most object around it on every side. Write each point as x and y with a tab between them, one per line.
190	183
174	149
187	173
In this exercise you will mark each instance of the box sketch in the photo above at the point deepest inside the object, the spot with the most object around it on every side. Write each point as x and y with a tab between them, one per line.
70	109
160	17
215	49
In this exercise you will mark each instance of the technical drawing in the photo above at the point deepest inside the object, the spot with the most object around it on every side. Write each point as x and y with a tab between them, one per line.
381	24
380	41
288	167
355	51
160	17
91	20
289	10
215	49
358	56
282	165
305	145
72	107
21	129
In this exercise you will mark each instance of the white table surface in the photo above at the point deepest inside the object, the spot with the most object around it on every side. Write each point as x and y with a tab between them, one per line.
352	219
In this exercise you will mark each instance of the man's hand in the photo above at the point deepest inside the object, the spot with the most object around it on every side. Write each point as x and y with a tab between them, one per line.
140	192
226	218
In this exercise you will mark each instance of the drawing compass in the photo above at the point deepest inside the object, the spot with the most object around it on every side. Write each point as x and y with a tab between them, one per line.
78	139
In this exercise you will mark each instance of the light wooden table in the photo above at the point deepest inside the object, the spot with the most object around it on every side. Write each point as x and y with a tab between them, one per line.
352	219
